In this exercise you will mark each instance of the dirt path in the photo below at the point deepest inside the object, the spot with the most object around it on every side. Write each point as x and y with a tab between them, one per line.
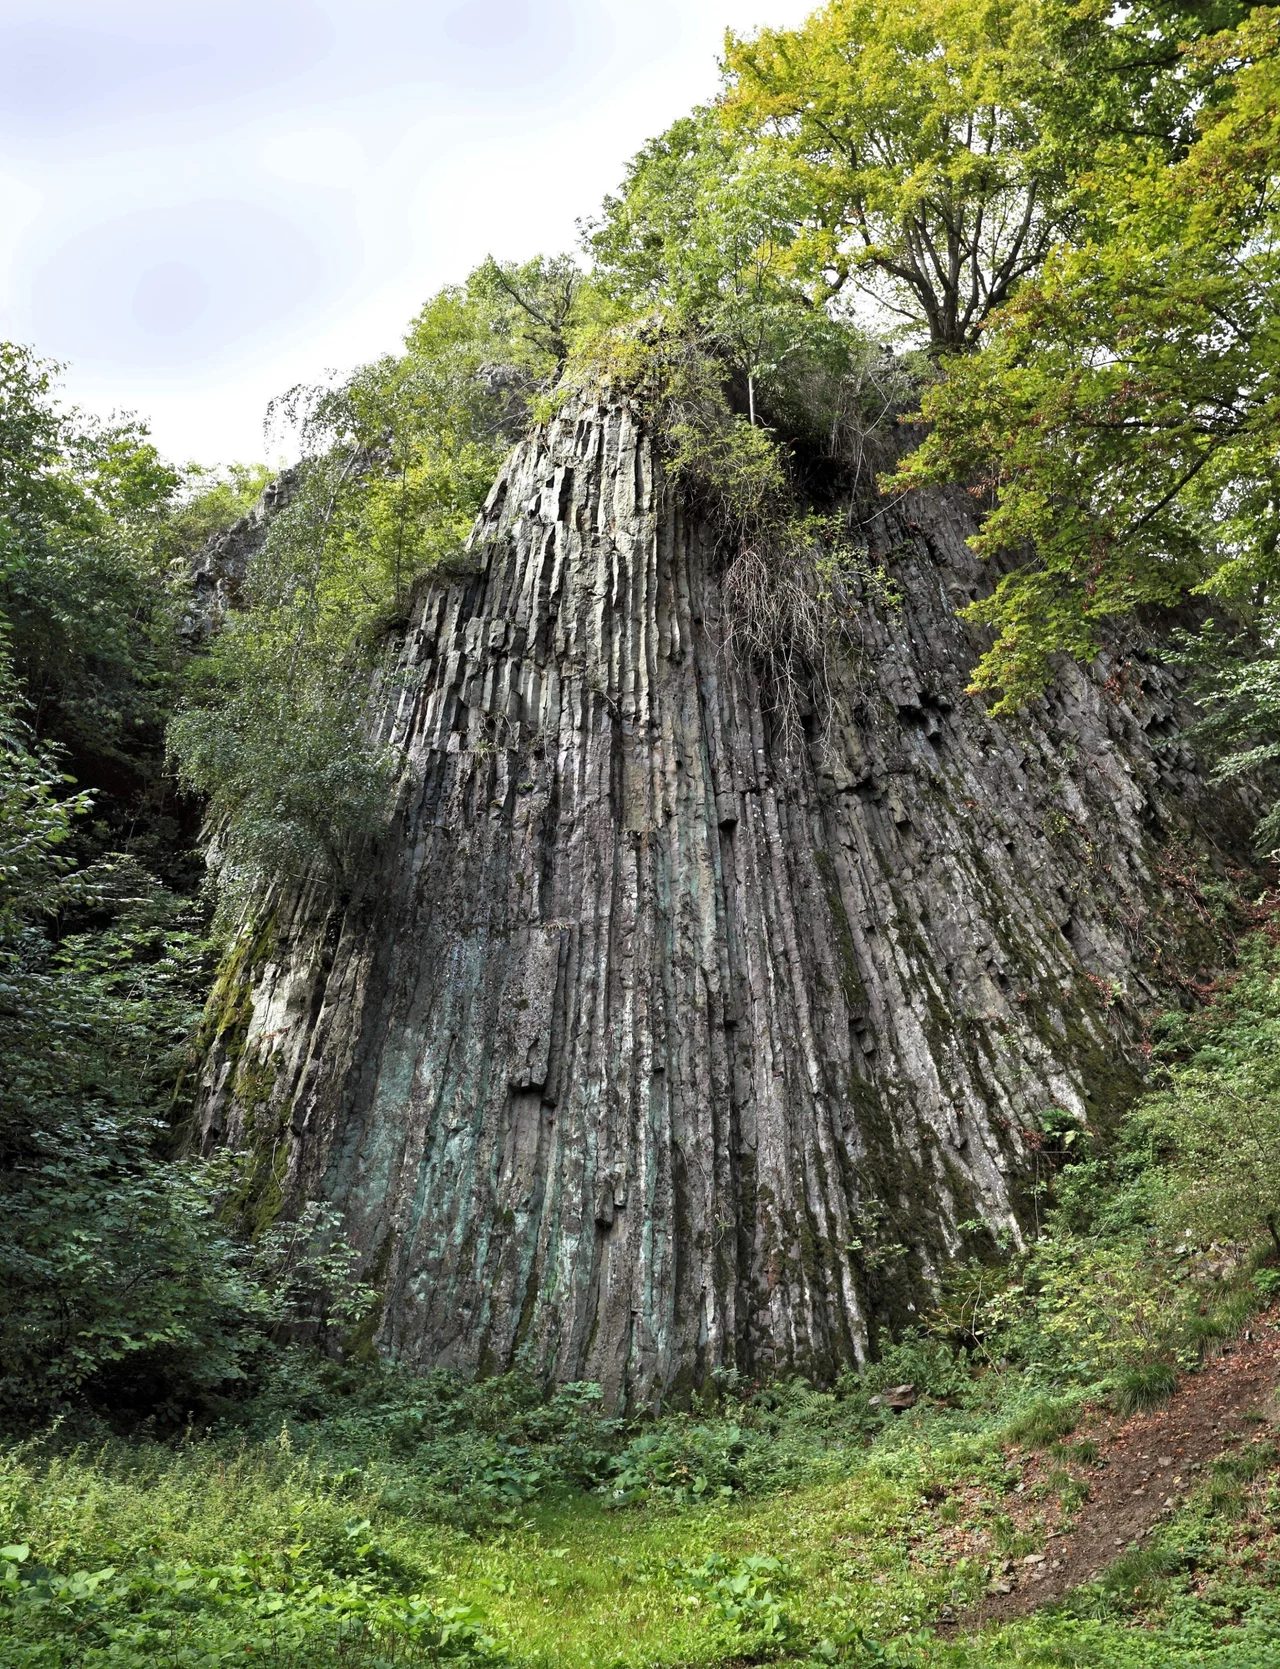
1145	1466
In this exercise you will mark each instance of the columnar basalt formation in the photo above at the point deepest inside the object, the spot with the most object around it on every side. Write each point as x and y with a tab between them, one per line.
652	1044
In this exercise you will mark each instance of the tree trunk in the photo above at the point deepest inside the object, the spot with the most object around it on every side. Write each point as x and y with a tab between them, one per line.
654	1046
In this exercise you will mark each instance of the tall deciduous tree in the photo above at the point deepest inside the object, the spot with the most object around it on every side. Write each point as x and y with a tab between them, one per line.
938	146
1124	414
81	506
913	133
701	238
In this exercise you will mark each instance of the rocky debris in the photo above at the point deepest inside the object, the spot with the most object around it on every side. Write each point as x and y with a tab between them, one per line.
897	1397
659	1040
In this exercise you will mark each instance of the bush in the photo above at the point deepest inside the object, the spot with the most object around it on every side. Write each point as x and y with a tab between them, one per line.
279	725
1149	1252
933	1366
743	1594
114	1264
471	1454
287	1613
679	1461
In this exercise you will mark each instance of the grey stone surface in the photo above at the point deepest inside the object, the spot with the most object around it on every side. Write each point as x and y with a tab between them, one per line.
652	1046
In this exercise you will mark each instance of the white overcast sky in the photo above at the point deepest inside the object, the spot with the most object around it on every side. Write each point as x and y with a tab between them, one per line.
205	201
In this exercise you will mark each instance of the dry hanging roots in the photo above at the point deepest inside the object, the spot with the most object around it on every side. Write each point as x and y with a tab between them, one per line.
774	619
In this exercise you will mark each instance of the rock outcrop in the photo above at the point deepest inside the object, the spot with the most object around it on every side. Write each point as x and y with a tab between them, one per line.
220	568
653	1045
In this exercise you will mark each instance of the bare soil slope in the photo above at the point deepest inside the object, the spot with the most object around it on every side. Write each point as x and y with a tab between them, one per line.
1145	1465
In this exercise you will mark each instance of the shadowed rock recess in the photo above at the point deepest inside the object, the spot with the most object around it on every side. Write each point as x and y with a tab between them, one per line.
650	1045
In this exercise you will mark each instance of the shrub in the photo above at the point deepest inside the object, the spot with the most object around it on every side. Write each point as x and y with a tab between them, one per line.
119	1287
743	1594
279	725
288	1613
472	1454
1214	1128
679	1461
932	1365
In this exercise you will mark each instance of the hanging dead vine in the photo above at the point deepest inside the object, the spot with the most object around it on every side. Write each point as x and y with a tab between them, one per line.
792	595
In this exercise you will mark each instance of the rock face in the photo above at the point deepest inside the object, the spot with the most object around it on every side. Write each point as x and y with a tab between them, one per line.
218	572
654	1046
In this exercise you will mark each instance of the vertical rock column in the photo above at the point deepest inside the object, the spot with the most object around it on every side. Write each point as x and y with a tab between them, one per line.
650	1047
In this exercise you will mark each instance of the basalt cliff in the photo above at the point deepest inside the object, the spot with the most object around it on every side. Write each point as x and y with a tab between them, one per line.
656	1041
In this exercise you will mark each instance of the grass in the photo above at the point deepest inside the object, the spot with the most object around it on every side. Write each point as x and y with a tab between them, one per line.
362	1517
1144	1386
1248	1463
1043	1423
225	1552
575	1584
1083	1453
